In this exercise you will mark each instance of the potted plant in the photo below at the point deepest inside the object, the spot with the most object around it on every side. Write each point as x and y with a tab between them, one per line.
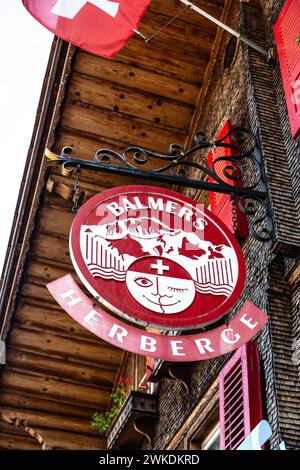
103	421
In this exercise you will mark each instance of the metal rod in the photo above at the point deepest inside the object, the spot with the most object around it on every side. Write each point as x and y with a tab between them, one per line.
227	28
150	175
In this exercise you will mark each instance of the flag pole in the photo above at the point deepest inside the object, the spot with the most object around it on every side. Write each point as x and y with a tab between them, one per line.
242	38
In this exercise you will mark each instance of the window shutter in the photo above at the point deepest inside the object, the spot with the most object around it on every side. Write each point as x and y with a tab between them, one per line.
150	365
286	32
220	204
240	397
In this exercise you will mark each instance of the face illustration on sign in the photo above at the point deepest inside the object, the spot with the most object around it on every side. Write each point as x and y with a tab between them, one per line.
160	285
156	257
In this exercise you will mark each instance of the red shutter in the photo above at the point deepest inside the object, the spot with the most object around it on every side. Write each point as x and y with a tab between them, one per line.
240	397
148	373
220	203
286	32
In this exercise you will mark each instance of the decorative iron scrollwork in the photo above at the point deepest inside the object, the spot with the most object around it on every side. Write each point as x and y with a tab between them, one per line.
236	169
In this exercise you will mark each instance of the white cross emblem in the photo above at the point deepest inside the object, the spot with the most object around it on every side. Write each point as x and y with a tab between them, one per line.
70	8
160	267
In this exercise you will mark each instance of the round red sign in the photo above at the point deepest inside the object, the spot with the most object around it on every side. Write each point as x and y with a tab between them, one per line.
156	257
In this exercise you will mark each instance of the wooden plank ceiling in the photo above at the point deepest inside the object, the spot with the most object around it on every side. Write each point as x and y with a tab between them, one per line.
57	373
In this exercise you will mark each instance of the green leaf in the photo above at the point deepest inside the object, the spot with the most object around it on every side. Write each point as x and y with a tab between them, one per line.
103	421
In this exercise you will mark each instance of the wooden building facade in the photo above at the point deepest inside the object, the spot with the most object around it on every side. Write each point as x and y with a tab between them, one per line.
191	76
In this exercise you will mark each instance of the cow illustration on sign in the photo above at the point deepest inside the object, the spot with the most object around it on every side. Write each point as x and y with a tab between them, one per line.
164	278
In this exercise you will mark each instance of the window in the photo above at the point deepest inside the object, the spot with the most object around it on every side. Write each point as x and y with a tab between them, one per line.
287	33
203	433
207	434
212	442
232	406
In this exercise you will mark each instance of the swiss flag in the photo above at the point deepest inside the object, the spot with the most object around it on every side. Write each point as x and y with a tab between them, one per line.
98	26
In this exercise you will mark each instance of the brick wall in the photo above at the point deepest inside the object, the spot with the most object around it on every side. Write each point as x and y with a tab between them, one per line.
251	93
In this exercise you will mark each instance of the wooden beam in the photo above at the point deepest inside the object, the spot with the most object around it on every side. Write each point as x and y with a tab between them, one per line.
55	439
63	268
100	94
25	400
49	387
56	221
101	376
85	147
13	442
172	7
180	65
54	200
125	129
179	35
47	420
52	320
35	291
44	273
61	189
50	247
44	437
64	347
135	77
90	188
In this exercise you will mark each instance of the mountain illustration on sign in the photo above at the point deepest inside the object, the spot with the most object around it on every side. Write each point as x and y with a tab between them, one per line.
112	251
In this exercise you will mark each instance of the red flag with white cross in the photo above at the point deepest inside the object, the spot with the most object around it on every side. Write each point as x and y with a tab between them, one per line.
99	26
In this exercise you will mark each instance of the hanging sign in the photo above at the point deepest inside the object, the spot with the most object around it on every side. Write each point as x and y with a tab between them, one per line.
98	26
156	257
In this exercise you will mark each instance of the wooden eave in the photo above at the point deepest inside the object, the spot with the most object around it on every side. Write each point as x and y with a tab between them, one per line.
57	373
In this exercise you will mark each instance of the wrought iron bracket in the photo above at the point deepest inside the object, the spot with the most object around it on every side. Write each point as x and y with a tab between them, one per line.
237	169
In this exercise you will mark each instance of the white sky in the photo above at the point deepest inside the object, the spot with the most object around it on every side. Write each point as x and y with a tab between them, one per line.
25	47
